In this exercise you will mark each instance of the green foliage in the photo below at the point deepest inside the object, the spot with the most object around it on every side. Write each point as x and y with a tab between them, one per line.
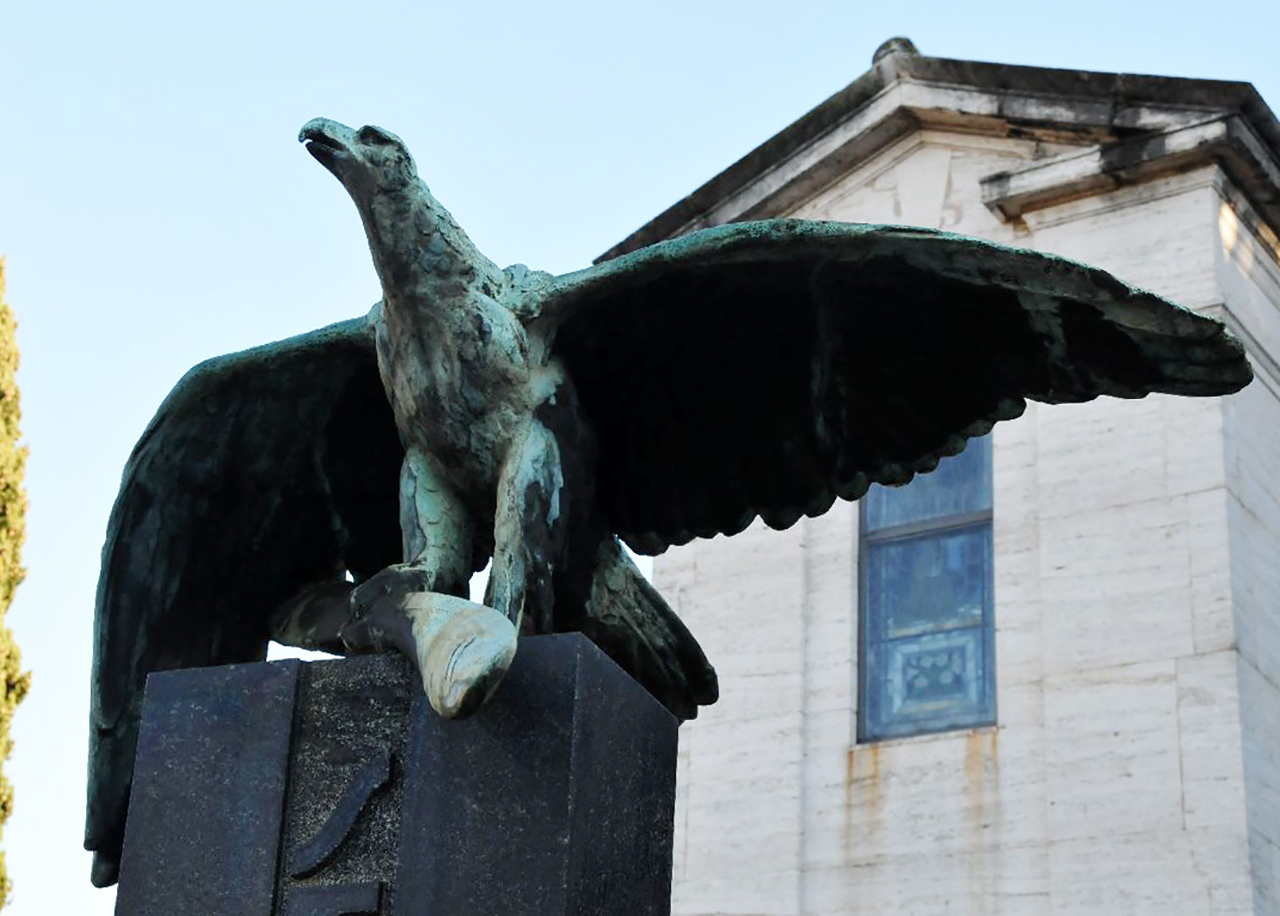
13	507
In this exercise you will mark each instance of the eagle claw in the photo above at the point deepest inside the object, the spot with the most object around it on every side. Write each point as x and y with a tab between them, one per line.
461	649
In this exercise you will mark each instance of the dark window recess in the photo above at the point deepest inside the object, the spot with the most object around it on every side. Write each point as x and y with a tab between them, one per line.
926	633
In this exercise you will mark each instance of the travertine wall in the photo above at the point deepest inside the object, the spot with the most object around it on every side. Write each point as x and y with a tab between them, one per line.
1118	779
1247	273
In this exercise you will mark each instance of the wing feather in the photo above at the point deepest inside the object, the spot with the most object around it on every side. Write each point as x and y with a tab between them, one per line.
262	472
764	369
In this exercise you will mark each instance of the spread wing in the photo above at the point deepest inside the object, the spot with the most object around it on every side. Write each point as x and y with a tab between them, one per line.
767	368
261	473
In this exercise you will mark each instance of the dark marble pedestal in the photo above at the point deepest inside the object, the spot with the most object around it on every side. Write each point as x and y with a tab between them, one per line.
332	788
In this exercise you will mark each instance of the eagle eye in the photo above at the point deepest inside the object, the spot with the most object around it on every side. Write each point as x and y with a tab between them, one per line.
374	136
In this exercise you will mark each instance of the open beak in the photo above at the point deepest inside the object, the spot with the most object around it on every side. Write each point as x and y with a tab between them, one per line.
329	142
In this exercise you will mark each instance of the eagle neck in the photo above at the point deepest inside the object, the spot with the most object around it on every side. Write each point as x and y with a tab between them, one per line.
425	261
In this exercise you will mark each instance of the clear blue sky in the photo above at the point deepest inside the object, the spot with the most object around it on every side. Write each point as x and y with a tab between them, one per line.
155	209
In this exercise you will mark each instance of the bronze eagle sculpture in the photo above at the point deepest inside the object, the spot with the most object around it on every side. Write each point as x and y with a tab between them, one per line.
337	490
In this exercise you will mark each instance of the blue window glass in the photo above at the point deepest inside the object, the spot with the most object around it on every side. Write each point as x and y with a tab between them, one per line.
926	633
961	484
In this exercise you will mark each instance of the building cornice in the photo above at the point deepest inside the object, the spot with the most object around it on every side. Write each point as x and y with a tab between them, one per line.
1228	140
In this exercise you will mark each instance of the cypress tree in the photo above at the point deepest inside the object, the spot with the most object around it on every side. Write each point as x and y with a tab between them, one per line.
13	506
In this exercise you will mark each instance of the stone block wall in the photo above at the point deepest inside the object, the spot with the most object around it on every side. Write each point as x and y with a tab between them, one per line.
1249	276
1135	766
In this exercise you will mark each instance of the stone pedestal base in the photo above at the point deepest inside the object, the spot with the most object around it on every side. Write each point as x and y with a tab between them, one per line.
332	788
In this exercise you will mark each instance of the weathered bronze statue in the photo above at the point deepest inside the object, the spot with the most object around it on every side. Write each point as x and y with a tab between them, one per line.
338	489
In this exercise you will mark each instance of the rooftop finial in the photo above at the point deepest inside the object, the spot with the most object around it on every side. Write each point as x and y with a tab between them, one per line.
896	45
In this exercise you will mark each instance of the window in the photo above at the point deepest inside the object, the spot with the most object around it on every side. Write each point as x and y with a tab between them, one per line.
926	639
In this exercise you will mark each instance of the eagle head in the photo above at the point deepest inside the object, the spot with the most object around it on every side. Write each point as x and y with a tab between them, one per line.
367	161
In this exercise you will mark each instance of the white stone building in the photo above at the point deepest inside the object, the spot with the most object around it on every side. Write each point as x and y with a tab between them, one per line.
1133	563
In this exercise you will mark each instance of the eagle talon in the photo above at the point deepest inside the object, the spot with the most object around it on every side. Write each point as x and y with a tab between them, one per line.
462	650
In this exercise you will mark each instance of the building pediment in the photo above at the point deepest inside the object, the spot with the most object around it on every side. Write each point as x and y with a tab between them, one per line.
1128	129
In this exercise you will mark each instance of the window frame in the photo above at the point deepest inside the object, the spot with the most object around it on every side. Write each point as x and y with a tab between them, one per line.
980	519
